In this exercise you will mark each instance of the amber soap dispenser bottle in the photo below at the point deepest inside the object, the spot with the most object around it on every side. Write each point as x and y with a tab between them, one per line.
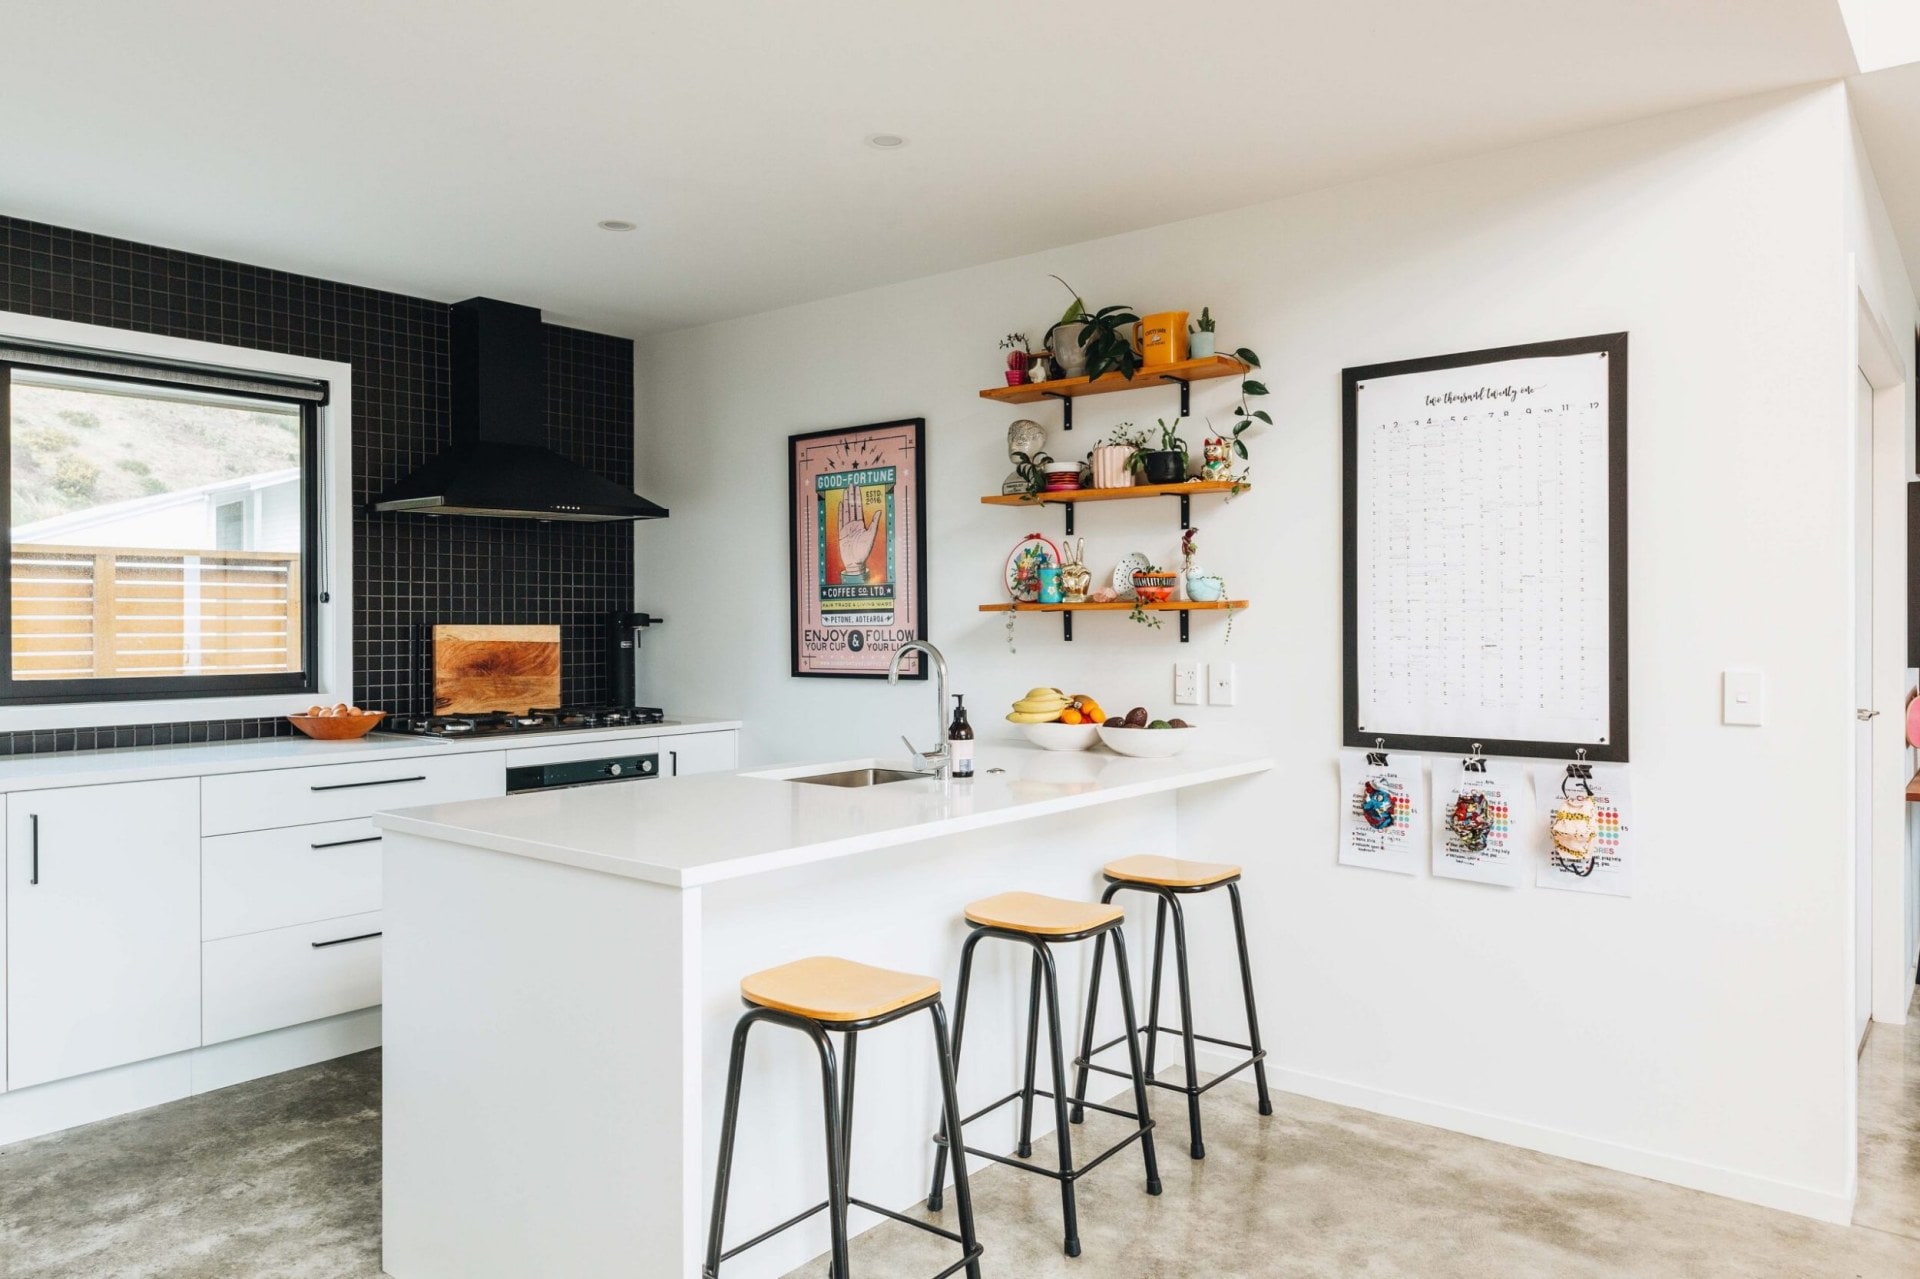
960	739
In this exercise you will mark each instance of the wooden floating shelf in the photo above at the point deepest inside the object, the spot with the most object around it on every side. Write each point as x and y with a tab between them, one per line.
1070	498
1069	389
1183	607
1201	370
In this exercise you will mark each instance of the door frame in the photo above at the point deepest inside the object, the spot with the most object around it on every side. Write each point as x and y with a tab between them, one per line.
1884	361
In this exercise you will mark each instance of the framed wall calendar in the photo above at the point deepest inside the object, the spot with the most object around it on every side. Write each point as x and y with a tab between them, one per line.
1486	551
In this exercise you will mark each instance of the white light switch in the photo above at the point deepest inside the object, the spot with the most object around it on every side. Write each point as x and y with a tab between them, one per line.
1220	684
1186	683
1743	697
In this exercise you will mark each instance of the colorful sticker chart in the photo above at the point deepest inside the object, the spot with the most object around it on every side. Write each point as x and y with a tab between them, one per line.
1485	551
1398	845
1500	859
1608	868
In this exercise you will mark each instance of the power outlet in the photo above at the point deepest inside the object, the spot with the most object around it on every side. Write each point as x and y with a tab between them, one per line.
1220	684
1186	683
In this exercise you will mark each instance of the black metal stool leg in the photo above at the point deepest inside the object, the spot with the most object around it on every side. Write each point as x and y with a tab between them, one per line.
1086	1039
950	1109
1063	1133
1153	997
836	1156
950	1135
846	1122
1132	1028
736	1066
1253	1015
1199	1147
1033	1052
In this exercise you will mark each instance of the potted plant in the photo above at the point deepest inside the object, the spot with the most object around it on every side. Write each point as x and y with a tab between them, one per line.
1063	339
1032	467
1015	345
1168	463
1115	461
1202	586
1090	343
1200	336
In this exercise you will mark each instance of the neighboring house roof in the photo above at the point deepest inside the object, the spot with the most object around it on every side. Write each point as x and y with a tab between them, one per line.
59	527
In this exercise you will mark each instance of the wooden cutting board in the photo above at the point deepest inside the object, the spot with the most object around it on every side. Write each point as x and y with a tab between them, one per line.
495	668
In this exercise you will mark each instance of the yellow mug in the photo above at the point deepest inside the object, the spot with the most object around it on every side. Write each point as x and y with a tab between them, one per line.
1162	338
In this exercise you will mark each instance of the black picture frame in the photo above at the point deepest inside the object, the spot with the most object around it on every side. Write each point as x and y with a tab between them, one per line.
1615	748
917	561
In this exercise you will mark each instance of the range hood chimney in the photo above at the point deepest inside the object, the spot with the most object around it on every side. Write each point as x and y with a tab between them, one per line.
499	463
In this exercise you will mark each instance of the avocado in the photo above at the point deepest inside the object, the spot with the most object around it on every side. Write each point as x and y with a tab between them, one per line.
1159	723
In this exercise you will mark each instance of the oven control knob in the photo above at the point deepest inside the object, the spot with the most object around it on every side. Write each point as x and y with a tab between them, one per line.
646	766
614	770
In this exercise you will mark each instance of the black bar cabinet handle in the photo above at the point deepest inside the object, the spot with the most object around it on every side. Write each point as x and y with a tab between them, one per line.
341	941
384	781
33	876
673	757
342	843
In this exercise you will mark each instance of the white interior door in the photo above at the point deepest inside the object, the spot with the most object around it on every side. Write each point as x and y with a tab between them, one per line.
1863	700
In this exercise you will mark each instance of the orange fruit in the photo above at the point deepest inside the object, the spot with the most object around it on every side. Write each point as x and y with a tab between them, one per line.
1090	711
1072	716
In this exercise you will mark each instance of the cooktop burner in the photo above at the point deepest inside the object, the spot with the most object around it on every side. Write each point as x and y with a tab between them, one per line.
540	719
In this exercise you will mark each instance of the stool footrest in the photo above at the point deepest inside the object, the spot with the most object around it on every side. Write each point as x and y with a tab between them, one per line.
821	1207
1087	1063
1071	1174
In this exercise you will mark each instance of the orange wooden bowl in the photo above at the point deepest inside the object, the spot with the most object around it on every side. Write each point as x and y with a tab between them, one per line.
336	728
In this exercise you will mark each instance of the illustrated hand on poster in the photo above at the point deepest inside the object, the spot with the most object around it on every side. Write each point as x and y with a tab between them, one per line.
857	532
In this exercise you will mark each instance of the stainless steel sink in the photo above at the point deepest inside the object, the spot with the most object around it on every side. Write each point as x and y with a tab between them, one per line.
860	777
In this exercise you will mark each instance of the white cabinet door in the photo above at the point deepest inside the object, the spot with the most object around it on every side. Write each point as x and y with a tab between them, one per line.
686	753
103	927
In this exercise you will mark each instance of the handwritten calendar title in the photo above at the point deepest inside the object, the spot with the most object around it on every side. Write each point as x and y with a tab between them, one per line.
1482	395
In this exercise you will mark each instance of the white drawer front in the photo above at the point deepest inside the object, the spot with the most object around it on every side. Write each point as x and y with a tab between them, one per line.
234	802
264	981
295	875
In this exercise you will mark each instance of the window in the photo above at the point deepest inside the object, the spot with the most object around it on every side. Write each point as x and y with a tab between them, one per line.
161	530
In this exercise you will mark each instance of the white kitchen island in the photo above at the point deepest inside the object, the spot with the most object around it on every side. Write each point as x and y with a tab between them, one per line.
562	981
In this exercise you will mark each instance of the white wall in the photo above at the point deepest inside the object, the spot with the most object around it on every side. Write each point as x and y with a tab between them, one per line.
1697	1031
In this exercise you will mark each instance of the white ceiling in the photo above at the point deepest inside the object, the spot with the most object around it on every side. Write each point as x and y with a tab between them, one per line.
455	147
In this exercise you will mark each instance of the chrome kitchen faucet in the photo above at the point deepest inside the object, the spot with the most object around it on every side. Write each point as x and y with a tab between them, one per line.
941	757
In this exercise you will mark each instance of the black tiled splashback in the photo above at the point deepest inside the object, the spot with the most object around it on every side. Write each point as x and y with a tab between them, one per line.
408	570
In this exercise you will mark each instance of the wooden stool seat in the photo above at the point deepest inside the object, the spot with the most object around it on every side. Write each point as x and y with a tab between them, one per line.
1168	872
1041	915
831	990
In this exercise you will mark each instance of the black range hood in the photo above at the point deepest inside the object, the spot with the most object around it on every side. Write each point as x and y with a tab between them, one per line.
499	463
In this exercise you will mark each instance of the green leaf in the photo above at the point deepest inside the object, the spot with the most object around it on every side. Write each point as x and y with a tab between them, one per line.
1240	447
1262	415
1246	356
1253	388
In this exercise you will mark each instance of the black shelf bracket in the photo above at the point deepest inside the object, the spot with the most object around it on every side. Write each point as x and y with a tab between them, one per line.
1185	617
1186	512
1185	386
1066	406
1069	506
1066	623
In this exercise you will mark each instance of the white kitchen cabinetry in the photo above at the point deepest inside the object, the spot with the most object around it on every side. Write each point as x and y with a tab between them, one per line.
286	976
103	927
340	792
686	753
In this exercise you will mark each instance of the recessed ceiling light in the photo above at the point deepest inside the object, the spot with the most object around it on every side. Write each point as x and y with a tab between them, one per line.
886	141
616	224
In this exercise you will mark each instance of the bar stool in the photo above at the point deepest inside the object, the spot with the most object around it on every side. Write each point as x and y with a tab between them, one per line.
815	996
1040	922
1169	879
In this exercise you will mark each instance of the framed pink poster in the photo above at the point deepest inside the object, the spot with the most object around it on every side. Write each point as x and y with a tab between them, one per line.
857	524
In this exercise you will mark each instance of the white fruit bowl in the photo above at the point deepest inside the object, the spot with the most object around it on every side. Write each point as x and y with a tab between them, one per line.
1061	737
1148	743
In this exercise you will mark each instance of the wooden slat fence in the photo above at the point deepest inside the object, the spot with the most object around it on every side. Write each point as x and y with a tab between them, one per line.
84	612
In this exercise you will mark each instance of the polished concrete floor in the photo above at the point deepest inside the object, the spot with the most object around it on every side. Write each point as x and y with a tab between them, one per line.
280	1179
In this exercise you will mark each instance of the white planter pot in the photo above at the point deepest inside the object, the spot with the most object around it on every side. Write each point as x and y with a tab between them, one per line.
1199	345
1110	466
1069	357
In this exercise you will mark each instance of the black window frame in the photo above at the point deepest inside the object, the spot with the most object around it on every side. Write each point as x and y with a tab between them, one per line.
132	688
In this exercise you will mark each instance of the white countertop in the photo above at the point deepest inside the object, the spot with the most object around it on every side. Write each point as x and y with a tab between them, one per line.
202	759
688	831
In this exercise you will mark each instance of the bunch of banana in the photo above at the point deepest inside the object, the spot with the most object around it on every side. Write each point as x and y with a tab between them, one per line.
1039	706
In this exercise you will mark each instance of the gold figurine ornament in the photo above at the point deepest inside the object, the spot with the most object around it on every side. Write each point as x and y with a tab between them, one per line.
1075	577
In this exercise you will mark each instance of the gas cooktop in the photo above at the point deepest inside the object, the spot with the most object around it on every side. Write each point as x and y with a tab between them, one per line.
541	719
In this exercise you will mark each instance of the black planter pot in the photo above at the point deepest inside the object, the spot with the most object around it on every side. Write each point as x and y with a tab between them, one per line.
1166	467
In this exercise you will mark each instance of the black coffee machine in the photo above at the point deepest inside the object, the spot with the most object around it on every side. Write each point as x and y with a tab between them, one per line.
623	646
